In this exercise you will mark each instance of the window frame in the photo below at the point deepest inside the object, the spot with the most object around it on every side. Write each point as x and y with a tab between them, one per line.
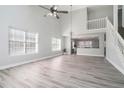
56	44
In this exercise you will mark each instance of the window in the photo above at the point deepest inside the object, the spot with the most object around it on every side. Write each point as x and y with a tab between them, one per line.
21	42
56	44
16	42
31	43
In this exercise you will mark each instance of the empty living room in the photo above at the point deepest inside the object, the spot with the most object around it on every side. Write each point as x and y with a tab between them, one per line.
62	46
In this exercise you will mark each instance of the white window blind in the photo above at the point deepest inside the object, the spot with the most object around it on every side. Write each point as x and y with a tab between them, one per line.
31	43
56	44
16	42
21	42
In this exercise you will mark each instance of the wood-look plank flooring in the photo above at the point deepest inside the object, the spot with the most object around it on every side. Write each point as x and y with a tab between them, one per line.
67	71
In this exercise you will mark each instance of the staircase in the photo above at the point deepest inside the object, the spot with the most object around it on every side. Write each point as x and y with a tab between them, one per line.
114	47
114	41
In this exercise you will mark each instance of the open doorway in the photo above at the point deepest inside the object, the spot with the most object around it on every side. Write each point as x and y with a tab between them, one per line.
120	27
73	47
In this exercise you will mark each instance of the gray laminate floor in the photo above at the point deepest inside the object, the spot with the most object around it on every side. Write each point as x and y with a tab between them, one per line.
63	71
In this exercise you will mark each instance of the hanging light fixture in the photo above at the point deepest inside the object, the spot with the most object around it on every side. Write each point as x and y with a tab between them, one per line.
71	28
71	19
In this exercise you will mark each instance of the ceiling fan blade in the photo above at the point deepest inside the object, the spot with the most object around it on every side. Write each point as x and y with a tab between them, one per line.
57	16
62	12
44	7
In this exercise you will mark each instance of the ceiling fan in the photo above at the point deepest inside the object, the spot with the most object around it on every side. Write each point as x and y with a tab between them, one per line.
53	11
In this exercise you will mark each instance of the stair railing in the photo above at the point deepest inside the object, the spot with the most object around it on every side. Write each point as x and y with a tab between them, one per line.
96	24
118	40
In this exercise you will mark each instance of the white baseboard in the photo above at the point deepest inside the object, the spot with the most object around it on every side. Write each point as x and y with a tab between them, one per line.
21	63
116	66
91	55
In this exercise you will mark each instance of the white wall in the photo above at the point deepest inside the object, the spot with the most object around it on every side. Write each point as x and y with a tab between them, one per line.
67	44
31	19
78	22
115	17
93	51
100	11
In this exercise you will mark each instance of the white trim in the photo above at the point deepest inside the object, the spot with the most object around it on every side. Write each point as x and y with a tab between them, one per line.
91	55
97	19
25	62
103	29
116	66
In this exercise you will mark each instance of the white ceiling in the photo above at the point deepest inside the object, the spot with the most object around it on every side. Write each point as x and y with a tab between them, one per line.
68	7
